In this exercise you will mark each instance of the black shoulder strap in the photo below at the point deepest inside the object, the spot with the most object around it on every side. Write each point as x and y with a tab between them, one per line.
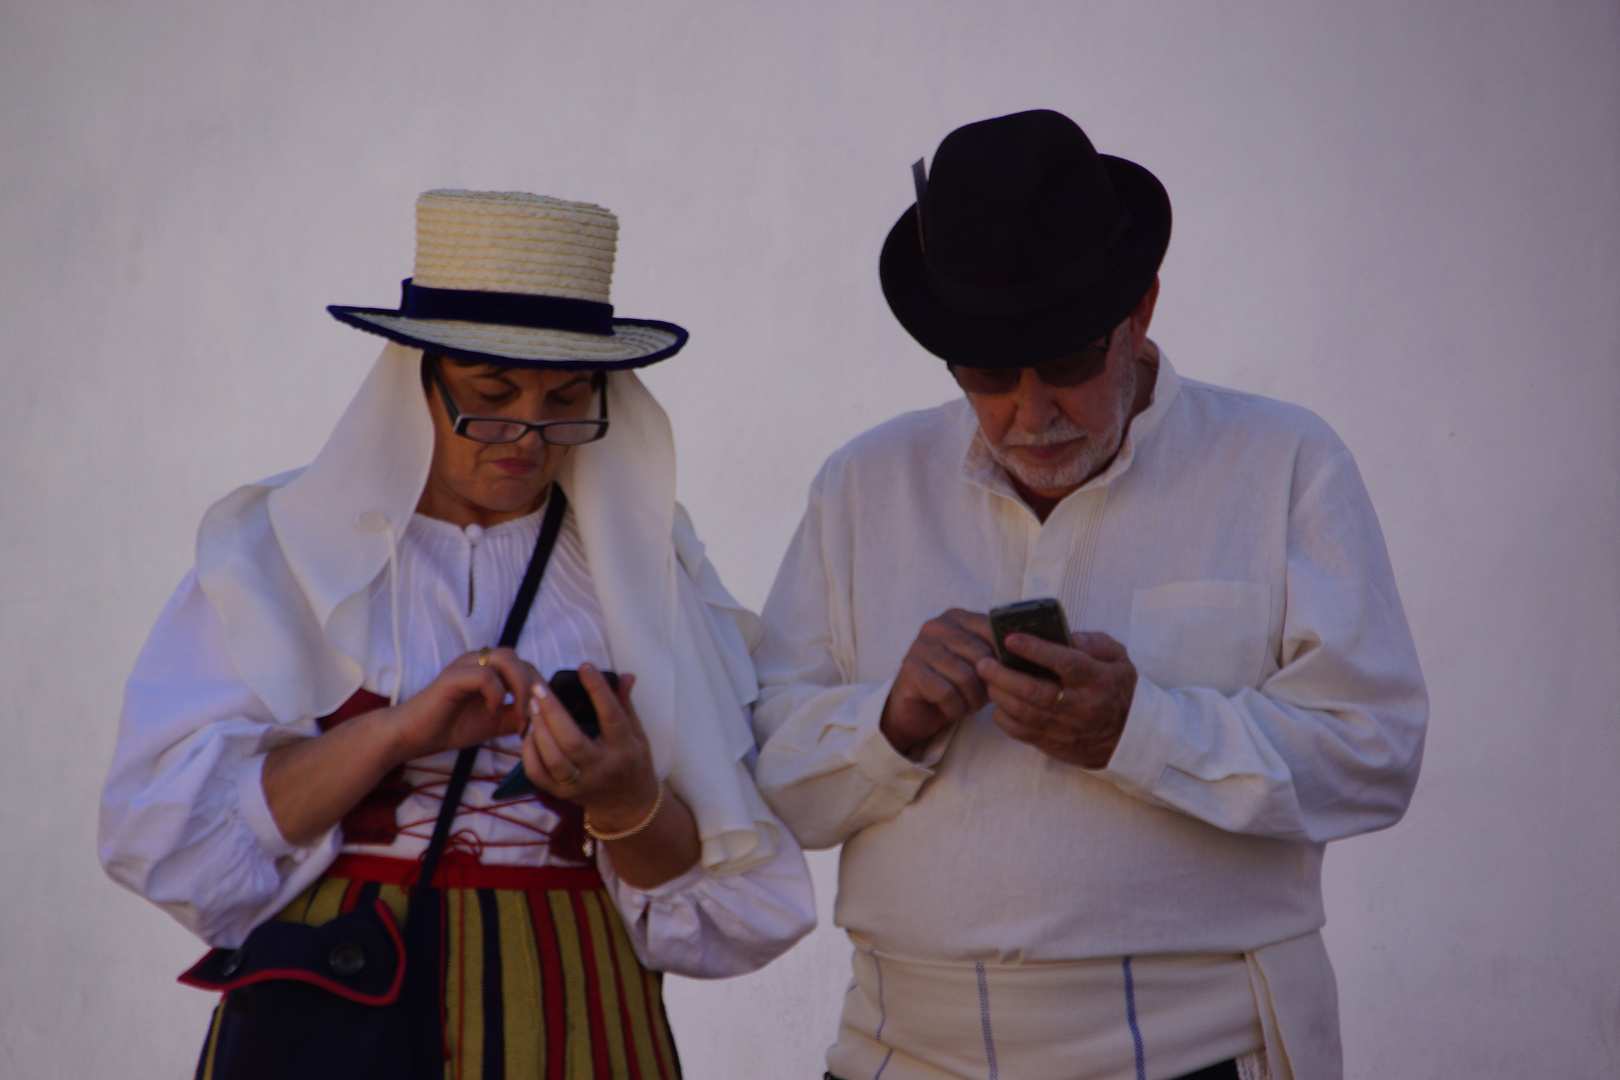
556	507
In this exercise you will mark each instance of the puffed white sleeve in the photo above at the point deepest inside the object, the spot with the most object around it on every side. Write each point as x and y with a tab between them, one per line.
707	925
184	821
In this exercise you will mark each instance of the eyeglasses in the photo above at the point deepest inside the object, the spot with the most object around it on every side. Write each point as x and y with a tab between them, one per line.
1071	370
496	429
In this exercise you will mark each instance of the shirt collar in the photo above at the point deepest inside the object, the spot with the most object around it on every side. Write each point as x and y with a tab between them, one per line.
981	469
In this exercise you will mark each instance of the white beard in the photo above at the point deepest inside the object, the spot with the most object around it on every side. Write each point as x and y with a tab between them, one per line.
1096	450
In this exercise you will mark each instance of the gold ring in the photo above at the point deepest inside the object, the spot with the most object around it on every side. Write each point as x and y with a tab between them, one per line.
483	656
570	778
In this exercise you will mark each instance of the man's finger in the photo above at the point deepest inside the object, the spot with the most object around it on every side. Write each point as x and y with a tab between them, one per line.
934	689
963	633
1071	665
1099	646
975	623
1041	693
955	669
1025	712
1015	729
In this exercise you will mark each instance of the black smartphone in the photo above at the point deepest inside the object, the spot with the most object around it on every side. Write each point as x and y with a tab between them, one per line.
577	700
1037	618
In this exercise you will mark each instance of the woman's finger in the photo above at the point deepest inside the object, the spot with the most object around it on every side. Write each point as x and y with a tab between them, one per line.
561	768
518	674
517	678
627	683
560	724
534	765
473	684
610	711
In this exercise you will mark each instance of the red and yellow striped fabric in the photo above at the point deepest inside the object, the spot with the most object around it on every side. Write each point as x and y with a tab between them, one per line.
540	981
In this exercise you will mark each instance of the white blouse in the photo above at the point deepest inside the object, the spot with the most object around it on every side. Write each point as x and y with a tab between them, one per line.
184	821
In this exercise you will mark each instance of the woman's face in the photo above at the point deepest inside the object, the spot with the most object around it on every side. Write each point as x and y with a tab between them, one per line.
485	484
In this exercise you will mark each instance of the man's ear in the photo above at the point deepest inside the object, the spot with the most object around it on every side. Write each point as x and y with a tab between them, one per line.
1142	317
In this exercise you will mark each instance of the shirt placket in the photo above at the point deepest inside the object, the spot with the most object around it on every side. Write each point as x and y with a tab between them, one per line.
478	620
1059	562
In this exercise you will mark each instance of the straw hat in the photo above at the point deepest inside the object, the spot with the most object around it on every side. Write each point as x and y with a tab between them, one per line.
519	280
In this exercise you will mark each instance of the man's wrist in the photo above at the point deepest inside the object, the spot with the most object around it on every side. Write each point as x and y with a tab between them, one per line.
901	743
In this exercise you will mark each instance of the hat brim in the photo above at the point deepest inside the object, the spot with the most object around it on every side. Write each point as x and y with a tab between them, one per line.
634	343
1024	340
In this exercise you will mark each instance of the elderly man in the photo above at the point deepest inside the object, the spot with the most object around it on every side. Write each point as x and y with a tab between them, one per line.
1115	874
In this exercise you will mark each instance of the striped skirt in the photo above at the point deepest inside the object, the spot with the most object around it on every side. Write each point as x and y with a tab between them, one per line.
538	977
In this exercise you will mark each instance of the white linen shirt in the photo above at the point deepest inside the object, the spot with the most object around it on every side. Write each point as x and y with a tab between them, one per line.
184	821
1232	548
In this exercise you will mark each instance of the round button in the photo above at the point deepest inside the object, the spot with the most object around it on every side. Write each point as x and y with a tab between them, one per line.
1040	583
234	962
347	959
474	533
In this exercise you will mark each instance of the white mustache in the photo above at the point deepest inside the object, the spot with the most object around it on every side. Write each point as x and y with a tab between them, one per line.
1061	430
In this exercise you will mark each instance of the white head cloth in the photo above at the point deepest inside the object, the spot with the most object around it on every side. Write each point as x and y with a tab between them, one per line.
289	562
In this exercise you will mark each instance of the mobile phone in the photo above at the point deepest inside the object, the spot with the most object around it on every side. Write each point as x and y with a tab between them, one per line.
1037	618
577	700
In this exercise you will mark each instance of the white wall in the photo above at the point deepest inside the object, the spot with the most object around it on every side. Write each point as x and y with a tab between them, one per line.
1405	216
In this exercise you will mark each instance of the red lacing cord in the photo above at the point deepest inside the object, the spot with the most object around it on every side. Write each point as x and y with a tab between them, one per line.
508	812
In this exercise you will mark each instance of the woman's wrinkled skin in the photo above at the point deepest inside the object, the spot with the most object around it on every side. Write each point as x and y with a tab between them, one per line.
474	483
311	784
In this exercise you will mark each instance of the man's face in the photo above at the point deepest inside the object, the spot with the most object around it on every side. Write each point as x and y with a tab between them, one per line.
1052	439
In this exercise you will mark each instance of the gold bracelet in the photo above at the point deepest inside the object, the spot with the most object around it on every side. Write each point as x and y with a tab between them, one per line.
603	838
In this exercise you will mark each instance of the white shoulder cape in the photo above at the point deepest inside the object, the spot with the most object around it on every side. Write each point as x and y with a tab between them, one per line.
289	562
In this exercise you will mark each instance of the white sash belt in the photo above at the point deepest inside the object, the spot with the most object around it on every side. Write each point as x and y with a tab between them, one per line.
1085	1020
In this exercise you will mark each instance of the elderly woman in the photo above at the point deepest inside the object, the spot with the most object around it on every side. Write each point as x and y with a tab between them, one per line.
313	738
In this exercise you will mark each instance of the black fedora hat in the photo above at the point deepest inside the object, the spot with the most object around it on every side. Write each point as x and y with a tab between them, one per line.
1025	244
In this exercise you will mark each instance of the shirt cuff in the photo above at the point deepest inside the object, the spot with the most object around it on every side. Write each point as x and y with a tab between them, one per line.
878	760
680	883
1145	746
256	810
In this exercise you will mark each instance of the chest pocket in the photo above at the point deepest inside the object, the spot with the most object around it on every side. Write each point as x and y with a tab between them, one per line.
1201	633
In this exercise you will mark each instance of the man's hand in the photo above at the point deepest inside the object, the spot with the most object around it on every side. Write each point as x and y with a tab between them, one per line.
938	684
1077	720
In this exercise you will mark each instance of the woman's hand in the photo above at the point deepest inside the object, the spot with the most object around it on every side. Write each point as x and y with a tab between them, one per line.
612	778
311	784
466	705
